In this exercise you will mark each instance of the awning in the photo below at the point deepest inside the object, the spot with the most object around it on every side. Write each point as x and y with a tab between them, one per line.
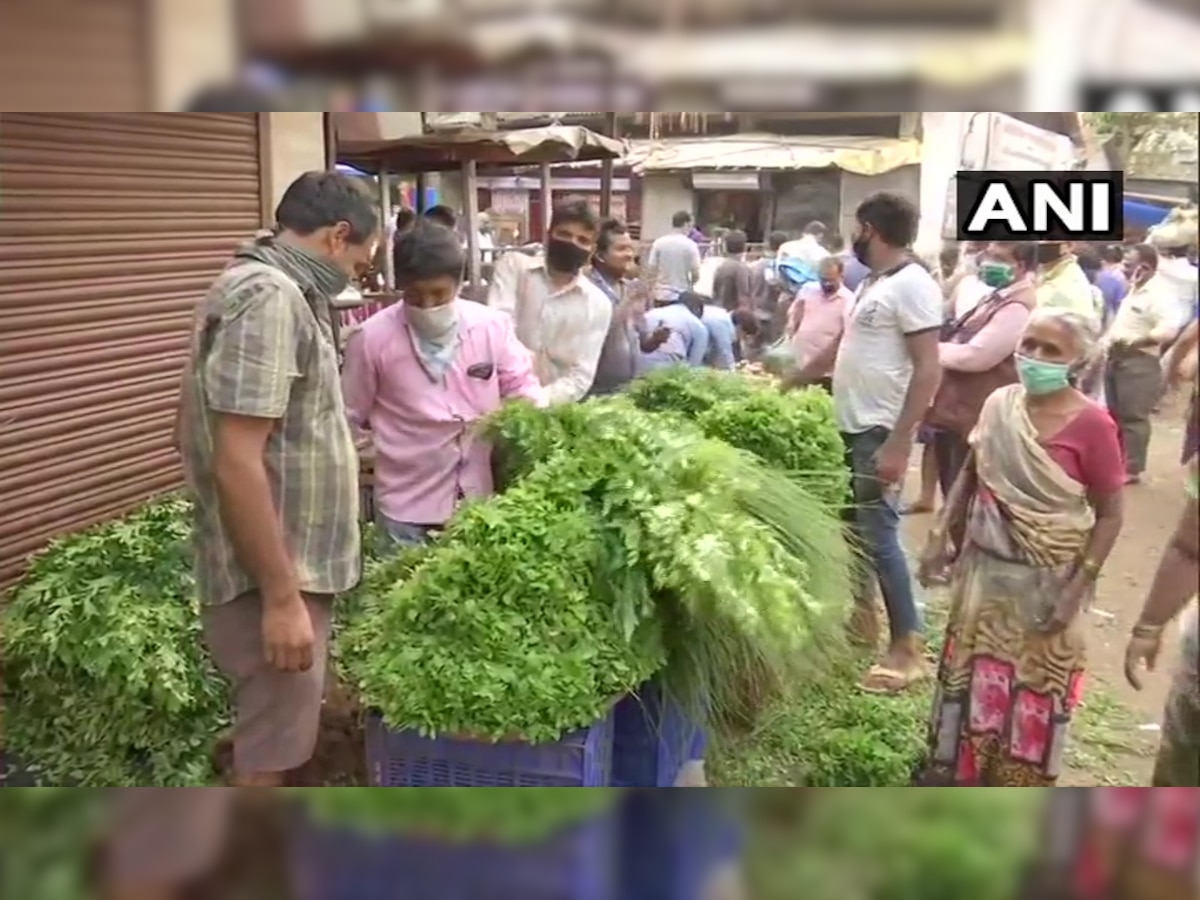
1139	215
766	152
363	141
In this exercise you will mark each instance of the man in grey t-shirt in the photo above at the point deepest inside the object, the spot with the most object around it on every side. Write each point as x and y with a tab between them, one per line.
674	262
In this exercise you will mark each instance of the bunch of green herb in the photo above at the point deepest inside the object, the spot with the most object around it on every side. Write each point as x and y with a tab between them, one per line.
688	391
46	838
496	633
459	814
743	563
106	679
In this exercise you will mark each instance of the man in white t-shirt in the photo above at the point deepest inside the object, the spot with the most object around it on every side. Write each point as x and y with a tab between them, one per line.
885	374
809	249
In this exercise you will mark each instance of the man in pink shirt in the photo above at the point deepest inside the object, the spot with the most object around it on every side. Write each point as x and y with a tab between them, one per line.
420	375
817	317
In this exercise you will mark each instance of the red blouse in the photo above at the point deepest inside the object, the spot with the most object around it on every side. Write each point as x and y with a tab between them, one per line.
1089	450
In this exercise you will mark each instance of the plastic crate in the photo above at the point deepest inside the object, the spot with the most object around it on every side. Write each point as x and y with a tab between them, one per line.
406	759
674	842
652	738
341	864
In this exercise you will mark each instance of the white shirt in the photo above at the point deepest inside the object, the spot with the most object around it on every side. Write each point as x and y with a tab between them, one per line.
1182	281
1147	311
565	328
873	369
808	249
968	294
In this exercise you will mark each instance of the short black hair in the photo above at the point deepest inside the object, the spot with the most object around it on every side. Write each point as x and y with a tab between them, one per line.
1113	253
405	218
231	99
681	218
735	241
318	200
892	217
815	228
427	250
776	239
1024	252
443	215
1145	254
746	320
610	229
575	211
1088	260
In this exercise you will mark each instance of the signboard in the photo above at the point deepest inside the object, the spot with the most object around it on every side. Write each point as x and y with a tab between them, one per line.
725	181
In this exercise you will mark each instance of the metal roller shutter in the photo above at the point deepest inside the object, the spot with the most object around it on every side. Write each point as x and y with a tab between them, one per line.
111	228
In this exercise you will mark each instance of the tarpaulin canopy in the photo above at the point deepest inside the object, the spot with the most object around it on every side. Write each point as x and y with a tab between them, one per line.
1141	215
449	150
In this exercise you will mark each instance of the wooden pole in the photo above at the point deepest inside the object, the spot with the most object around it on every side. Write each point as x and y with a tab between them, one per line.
606	168
547	202
470	185
385	205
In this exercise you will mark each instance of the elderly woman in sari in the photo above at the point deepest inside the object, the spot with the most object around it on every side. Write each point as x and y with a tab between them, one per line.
1173	587
1028	525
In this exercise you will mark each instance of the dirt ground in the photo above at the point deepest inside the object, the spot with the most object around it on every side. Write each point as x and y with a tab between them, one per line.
1116	733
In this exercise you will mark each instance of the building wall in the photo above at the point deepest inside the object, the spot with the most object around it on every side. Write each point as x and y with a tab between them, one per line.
856	188
663	195
295	143
193	45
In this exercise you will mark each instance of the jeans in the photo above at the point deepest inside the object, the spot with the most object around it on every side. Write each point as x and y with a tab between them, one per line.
873	521
395	536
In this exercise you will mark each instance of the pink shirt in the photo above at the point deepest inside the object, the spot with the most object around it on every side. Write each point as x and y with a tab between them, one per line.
427	457
995	342
821	318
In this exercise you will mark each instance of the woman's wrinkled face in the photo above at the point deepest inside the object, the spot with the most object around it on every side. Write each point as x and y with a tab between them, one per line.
1049	341
621	255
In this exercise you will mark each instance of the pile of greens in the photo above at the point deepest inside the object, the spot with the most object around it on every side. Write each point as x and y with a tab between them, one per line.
459	814
626	543
106	679
793	431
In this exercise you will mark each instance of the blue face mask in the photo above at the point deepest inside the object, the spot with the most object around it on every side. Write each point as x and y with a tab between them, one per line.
1040	377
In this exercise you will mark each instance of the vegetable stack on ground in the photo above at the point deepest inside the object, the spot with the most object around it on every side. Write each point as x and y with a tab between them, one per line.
106	678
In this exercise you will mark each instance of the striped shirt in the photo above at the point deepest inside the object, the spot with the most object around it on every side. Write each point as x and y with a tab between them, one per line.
264	347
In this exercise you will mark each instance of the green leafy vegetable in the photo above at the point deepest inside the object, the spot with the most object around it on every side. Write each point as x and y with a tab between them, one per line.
107	682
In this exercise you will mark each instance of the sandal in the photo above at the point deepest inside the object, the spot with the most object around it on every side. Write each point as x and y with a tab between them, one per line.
882	679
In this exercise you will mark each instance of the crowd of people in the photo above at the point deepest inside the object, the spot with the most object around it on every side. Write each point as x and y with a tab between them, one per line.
994	363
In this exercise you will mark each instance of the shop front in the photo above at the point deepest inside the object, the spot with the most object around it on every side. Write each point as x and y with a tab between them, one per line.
113	227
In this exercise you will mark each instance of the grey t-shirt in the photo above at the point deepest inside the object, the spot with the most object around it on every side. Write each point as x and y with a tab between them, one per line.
873	368
675	262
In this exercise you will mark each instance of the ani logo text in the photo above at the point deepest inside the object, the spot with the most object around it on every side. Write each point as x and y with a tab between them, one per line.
1040	206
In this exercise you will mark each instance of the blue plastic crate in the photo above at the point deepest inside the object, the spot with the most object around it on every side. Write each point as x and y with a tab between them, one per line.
406	759
341	864
674	842
652	738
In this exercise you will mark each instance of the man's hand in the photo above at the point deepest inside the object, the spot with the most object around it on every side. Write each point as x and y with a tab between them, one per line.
287	632
655	339
891	459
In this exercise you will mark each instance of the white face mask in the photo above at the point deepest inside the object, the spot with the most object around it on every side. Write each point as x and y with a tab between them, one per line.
433	323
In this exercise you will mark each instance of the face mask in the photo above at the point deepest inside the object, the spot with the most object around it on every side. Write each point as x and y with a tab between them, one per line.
861	248
1040	377
565	256
997	275
1049	253
433	323
828	287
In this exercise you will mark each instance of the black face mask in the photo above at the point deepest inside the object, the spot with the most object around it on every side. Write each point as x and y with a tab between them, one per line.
1049	253
861	248
565	256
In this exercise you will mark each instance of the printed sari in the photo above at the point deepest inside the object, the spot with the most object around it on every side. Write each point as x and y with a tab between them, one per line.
1006	689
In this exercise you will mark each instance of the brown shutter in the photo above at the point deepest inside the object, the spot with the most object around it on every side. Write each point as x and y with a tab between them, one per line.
111	228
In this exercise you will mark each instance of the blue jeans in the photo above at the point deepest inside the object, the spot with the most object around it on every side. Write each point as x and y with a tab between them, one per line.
393	536
873	520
